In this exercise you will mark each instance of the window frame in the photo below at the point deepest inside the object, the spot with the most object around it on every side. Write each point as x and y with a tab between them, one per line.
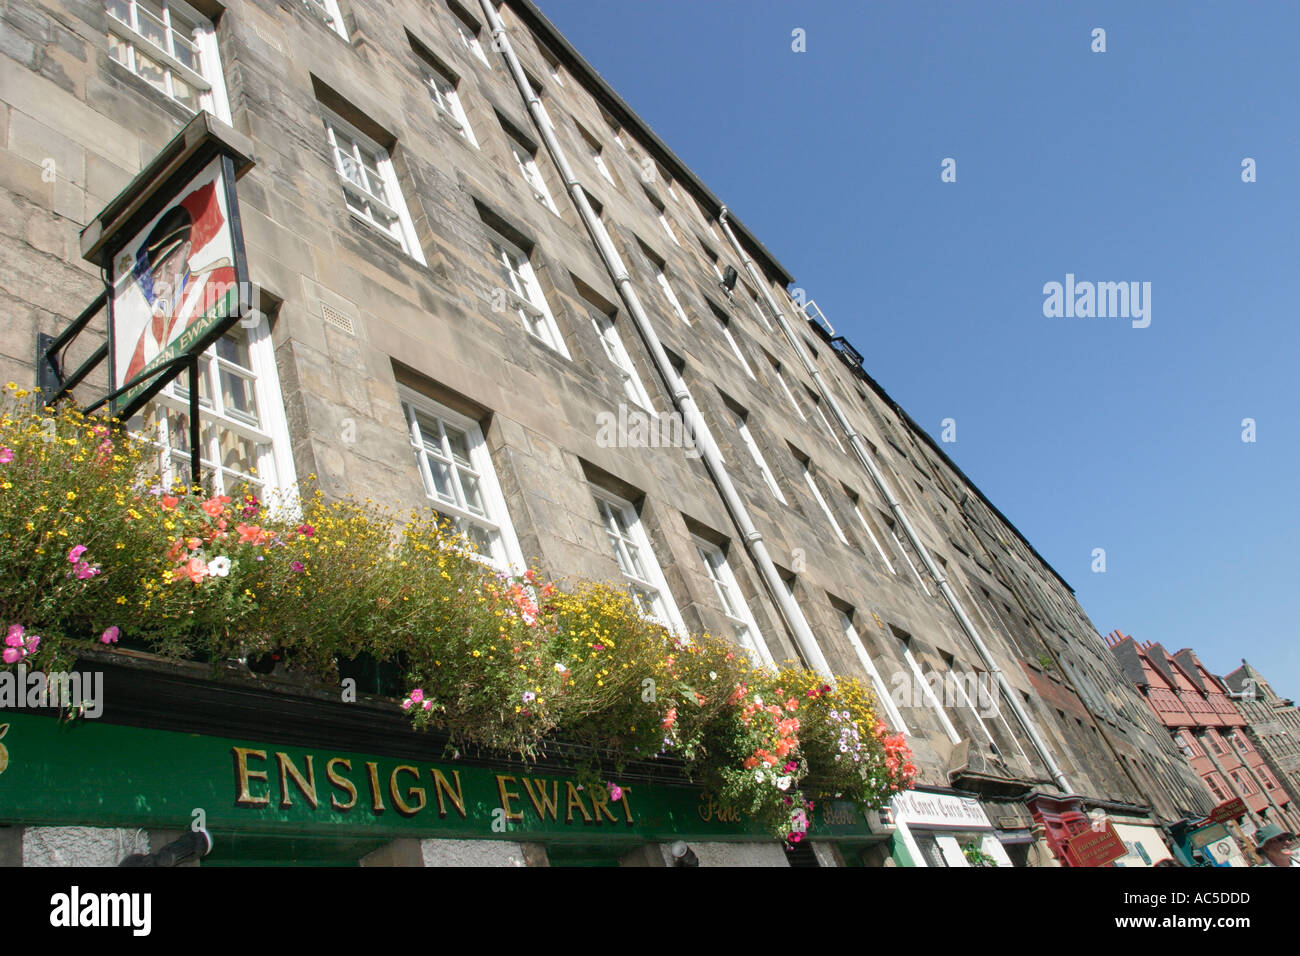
510	560
329	13
209	84
747	438
732	601
531	301
402	231
611	341
453	115
470	31
275	471
899	725
654	579
661	279
529	170
806	465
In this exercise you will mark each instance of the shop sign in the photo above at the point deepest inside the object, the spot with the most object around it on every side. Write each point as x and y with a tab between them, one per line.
1096	847
940	810
1229	810
98	774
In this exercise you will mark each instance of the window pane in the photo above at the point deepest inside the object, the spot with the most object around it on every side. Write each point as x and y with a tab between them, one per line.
150	72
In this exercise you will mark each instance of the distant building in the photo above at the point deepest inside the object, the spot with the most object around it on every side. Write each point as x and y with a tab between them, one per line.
1272	723
1208	727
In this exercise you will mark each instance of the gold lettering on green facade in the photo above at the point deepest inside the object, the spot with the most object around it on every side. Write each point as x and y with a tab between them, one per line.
572	798
343	783
402	806
711	810
441	786
506	796
243	775
376	798
627	807
541	803
307	785
600	803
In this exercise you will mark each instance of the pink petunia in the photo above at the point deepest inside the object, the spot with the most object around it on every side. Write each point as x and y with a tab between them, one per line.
111	635
6	455
74	555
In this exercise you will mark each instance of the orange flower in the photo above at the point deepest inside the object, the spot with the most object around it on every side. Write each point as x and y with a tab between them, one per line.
251	534
169	502
177	549
193	543
751	763
212	507
195	569
670	719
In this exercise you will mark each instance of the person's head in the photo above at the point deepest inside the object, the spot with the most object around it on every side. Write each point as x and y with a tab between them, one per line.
166	255
1276	844
1168	861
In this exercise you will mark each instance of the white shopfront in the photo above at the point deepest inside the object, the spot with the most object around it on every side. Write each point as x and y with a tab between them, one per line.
943	829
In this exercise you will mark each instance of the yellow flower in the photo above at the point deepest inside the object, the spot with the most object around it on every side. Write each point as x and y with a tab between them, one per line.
121	599
71	496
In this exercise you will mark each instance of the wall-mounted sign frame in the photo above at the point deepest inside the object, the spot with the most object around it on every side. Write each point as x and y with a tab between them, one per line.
170	248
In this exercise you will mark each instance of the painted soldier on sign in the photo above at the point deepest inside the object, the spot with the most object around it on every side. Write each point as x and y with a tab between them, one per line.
175	271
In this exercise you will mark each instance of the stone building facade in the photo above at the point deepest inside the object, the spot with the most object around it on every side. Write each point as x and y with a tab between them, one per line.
438	314
1272	724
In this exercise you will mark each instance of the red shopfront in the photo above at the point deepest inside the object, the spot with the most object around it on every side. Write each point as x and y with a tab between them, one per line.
1070	833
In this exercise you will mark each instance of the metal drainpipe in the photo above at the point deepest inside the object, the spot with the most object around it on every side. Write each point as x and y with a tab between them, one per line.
682	399
864	456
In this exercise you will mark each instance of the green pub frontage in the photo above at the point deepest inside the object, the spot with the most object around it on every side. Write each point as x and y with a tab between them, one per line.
275	777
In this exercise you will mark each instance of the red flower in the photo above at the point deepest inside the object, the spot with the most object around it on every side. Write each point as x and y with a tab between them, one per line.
169	502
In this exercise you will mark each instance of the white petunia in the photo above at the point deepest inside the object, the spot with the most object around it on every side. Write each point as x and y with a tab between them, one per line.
219	567
783	783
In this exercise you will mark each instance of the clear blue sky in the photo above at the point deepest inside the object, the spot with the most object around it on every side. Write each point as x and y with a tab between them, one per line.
1117	166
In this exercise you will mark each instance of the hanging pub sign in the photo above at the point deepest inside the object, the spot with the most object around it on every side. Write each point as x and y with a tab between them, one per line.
175	283
171	248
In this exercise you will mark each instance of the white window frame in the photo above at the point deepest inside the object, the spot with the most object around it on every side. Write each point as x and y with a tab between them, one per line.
525	293
209	85
447	101
526	160
928	691
758	308
817	407
470	31
662	609
612	342
816	492
662	213
275	468
732	601
898	540
400	230
507	557
747	439
857	510
897	724
666	288
735	346
328	13
776	370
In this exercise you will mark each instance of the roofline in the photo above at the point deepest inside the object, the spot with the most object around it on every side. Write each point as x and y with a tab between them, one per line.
943	456
621	111
605	94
